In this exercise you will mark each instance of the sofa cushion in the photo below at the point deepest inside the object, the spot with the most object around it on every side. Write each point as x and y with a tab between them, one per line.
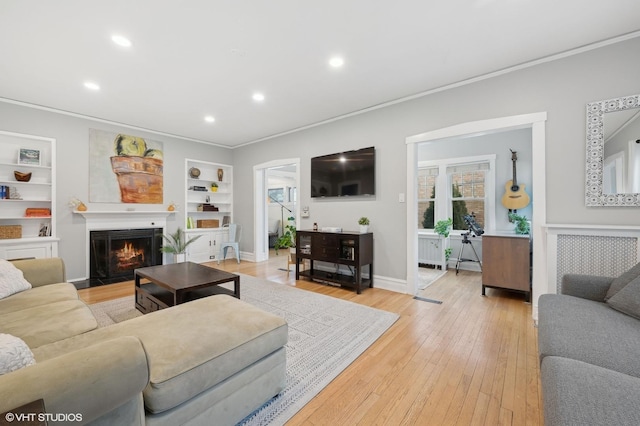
191	347
11	279
14	354
624	279
577	393
588	331
627	300
49	323
38	296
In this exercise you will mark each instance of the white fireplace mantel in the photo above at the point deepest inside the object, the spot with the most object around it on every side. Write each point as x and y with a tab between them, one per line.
98	220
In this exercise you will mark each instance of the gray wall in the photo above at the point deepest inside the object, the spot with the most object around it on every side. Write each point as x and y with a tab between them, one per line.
72	139
562	88
498	144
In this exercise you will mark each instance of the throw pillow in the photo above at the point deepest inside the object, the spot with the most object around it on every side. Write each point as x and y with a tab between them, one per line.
627	300
11	279
14	354
622	280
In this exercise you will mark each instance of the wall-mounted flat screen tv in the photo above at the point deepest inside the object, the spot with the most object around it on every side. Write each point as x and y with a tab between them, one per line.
345	174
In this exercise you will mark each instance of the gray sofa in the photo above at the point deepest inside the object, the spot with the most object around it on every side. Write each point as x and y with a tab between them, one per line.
210	361
589	345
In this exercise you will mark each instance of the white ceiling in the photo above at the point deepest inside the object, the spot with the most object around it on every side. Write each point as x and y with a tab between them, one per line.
204	57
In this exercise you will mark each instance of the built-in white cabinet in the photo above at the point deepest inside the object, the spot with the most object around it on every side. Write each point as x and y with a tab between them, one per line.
207	247
27	208
208	207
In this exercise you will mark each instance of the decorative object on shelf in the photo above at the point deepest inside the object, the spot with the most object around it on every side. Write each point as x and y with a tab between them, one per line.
13	193
22	177
220	174
288	237
9	232
214	187
37	212
522	224
29	156
125	169
443	227
45	230
5	192
198	188
208	223
177	244
76	204
194	173
172	207
364	224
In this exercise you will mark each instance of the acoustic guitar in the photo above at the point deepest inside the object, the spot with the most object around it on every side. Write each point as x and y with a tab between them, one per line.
514	196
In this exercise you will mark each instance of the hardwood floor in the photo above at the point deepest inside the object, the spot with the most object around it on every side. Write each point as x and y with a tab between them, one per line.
471	360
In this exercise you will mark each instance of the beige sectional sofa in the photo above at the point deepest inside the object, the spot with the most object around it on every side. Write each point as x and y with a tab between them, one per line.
210	361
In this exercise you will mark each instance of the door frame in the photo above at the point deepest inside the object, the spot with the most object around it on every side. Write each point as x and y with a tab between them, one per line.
537	123
261	240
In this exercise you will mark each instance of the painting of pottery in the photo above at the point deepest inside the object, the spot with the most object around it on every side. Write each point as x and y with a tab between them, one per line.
125	169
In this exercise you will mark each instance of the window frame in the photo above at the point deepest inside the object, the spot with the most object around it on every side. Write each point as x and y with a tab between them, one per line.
443	210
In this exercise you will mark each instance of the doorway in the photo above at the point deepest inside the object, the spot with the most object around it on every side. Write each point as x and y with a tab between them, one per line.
535	122
276	200
282	198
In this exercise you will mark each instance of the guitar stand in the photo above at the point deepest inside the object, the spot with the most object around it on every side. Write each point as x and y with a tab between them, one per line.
466	240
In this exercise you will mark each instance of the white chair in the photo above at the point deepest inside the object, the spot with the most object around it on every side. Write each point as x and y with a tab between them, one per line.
234	240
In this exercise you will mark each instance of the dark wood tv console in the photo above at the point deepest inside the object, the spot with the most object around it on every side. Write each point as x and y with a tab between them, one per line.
352	249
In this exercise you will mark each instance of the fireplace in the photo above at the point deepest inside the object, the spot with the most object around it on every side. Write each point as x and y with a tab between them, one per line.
116	253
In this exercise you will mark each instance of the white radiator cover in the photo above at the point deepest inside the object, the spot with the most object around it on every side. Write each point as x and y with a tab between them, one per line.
431	249
605	251
605	256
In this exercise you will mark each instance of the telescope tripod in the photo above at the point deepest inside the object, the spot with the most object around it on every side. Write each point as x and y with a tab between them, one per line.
466	240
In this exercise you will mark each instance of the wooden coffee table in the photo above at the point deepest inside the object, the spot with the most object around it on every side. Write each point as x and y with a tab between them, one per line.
170	285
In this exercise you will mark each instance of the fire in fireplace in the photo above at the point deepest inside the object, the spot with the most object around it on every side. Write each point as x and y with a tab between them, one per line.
129	257
116	253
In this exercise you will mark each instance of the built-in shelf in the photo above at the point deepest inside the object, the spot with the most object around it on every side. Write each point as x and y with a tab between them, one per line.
29	166
37	234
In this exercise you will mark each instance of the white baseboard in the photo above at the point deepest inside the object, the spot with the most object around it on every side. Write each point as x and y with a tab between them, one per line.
391	284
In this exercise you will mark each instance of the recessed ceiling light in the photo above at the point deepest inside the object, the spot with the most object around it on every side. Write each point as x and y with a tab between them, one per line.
209	119
121	40
336	62
258	97
91	85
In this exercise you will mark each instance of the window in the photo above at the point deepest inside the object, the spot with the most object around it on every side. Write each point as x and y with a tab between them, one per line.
276	194
426	196
467	182
455	188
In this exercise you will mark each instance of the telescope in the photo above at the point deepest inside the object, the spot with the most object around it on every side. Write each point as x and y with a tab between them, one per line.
473	226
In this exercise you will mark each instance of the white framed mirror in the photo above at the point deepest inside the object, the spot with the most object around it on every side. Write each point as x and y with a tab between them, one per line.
613	152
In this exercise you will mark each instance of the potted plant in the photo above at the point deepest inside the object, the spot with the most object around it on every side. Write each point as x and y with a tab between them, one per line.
443	228
214	187
288	237
522	224
176	244
364	224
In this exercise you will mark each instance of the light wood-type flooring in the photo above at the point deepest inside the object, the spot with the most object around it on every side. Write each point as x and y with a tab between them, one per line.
471	360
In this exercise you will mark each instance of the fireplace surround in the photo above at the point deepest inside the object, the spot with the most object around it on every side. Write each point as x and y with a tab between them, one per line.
117	253
106	220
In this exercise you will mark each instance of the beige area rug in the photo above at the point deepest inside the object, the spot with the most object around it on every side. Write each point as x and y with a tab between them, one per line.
427	276
325	336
